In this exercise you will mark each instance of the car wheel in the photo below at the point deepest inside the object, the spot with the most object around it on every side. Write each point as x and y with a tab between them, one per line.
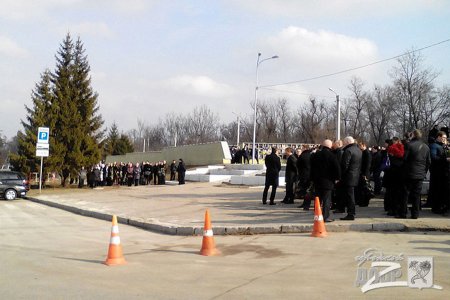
10	194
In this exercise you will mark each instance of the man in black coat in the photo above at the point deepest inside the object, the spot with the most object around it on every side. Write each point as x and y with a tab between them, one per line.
290	176
273	167
350	169
304	175
325	172
338	199
362	196
416	164
438	174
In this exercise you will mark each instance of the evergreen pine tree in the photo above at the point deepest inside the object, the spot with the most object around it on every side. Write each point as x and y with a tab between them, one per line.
65	102
42	99
87	106
116	144
110	147
124	145
66	119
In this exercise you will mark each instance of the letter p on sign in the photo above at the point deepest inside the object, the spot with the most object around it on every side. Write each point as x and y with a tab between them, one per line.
43	135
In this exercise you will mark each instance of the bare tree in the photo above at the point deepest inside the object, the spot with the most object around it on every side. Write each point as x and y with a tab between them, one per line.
379	113
357	105
267	117
284	120
312	116
202	125
133	135
247	129
414	89
436	108
173	129
346	116
155	137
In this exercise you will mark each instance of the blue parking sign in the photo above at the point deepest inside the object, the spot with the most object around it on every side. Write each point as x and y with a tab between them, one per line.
43	135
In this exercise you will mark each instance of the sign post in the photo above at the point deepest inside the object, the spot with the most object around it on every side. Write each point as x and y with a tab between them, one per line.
42	148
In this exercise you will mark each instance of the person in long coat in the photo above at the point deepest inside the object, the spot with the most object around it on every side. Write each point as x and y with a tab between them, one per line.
325	172
350	168
361	195
304	175
417	161
273	167
290	176
181	169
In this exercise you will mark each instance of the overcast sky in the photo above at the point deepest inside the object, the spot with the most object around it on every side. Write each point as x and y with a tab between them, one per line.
149	58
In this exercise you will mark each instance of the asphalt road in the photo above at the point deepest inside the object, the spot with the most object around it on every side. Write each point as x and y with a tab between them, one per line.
46	253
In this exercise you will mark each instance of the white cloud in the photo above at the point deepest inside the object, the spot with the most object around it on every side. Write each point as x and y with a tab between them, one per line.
321	49
32	9
26	9
10	48
197	85
131	6
94	29
339	8
305	54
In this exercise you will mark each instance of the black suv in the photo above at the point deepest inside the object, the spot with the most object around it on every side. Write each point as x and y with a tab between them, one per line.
13	185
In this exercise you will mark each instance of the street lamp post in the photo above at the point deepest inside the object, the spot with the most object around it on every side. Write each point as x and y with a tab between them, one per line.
239	127
338	121
258	62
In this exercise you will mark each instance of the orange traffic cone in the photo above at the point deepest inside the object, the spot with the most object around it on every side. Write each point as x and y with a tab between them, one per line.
319	229
115	256
208	245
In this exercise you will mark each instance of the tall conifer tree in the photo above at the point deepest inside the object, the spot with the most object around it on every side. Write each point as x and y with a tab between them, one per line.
42	101
65	102
115	143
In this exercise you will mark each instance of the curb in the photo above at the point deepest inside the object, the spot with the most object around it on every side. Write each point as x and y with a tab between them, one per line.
173	229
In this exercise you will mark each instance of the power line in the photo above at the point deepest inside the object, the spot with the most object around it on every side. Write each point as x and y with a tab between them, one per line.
295	92
299	93
357	68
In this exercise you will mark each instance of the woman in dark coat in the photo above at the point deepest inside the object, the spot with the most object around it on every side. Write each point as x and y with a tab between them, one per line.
181	169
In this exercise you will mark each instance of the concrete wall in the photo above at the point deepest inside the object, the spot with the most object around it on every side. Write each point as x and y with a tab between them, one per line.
193	155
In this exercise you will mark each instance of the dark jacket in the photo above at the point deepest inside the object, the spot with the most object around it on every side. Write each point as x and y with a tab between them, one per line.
416	160
351	165
325	169
273	167
338	152
291	169
438	157
304	165
366	160
181	167
375	165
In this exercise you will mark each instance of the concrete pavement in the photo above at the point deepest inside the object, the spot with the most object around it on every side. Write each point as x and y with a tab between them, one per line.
179	210
48	253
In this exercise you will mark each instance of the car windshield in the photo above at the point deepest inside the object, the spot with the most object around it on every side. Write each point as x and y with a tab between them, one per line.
10	175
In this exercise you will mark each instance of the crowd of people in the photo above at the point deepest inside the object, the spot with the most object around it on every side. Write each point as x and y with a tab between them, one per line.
243	156
340	174
130	174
